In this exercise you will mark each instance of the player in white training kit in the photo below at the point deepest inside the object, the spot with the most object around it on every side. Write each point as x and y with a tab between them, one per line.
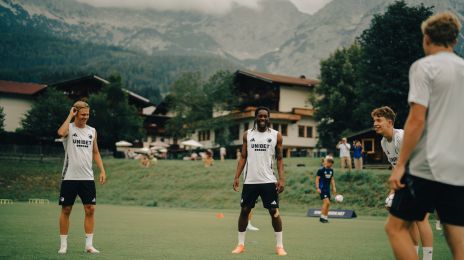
384	119
80	144
432	142
258	151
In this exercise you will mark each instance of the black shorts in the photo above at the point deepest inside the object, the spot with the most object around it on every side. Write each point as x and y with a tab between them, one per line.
421	196
325	194
267	192
70	189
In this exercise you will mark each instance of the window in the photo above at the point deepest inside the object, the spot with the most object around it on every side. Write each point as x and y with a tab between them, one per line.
203	135
309	132
304	131
368	145
246	126
276	127
283	129
301	131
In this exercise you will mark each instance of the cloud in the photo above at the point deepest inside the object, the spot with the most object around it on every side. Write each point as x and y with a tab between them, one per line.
310	6
204	6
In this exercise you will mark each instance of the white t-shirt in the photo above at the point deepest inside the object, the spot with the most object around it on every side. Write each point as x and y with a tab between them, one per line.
259	166
392	149
78	145
344	149
222	151
437	82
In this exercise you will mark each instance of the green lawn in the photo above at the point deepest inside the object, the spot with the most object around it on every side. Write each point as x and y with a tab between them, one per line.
133	232
187	184
168	212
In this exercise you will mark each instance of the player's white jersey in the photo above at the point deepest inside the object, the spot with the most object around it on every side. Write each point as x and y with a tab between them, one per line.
78	146
259	166
392	149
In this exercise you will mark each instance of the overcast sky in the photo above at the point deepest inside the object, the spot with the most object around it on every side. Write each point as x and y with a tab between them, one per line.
206	6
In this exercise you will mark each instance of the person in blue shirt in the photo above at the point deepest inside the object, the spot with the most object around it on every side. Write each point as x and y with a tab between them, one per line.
358	155
324	179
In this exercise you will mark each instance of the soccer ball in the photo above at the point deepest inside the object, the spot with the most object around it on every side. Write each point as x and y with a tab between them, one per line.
339	198
389	200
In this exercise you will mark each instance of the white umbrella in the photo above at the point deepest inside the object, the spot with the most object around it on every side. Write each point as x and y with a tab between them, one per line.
191	143
123	143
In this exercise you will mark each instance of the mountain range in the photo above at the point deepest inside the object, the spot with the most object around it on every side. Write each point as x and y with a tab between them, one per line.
275	38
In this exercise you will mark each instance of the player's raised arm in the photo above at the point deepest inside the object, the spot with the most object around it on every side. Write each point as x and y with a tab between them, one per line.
241	163
64	128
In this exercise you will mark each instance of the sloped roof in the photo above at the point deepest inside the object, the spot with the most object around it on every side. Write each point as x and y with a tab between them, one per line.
21	88
72	82
137	96
280	79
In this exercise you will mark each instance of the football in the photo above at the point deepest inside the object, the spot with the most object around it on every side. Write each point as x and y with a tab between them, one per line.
339	198
389	200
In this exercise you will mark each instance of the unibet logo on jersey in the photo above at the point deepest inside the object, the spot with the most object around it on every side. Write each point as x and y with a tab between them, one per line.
260	147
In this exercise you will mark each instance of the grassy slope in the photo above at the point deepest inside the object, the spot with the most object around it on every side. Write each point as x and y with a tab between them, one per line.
189	184
127	232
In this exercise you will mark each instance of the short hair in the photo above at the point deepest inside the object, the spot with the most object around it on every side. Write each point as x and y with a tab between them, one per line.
329	159
384	111
442	28
80	104
262	108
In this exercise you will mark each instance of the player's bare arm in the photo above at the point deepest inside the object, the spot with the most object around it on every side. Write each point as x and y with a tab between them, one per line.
280	163
241	163
317	184
413	129
64	128
334	189
98	160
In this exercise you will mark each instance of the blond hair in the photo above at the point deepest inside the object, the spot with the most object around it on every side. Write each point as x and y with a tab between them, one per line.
442	28
80	104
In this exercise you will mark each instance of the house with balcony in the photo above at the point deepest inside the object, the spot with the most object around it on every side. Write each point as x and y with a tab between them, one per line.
291	112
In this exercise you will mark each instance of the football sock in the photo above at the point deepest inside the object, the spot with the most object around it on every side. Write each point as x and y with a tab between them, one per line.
324	217
427	253
278	236
64	240
241	238
88	240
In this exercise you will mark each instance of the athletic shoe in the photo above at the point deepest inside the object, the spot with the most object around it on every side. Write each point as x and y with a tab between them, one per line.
323	220
91	250
63	250
251	227
438	225
239	249
280	251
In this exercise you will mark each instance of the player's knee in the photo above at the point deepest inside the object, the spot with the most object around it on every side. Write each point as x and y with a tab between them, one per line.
245	212
392	228
274	212
66	210
89	210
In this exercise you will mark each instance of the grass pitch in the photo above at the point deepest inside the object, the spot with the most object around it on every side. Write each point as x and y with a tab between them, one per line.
133	232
